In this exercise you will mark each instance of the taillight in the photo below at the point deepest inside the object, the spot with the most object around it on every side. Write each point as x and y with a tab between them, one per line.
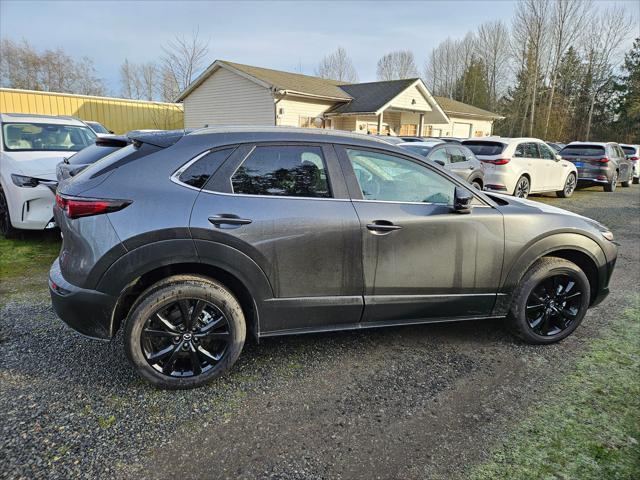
75	207
603	160
633	159
501	161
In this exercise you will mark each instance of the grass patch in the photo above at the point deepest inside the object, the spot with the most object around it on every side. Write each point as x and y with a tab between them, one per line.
30	254
589	426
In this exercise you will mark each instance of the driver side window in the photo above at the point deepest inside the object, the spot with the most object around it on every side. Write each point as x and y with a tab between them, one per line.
385	177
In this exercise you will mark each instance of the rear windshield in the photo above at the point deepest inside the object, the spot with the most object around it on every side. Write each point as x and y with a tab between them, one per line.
583	150
420	150
91	154
116	159
629	150
38	137
484	148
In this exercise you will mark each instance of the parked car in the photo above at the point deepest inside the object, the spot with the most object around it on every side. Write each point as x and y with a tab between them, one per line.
556	146
102	147
31	147
457	158
98	128
390	139
632	152
599	163
272	231
520	166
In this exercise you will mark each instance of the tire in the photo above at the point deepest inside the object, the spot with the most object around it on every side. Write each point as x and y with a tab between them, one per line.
6	229
476	184
569	187
636	180
627	184
214	340
523	186
540	278
611	186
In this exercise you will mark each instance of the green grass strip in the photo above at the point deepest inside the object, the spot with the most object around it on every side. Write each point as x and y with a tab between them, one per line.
589	425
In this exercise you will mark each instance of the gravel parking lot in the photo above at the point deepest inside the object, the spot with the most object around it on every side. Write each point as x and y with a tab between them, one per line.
410	402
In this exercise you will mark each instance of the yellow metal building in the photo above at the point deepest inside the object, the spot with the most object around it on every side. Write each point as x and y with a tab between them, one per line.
117	114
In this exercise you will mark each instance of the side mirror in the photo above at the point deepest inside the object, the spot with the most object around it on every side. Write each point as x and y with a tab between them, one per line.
462	200
439	162
558	157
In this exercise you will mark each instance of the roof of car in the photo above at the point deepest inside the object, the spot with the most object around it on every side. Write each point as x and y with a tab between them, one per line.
51	119
282	130
429	143
505	140
602	144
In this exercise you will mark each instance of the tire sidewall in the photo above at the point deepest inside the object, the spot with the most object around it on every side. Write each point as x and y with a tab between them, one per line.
531	281
154	299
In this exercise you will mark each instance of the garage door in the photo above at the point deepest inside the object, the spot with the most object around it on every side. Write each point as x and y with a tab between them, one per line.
461	130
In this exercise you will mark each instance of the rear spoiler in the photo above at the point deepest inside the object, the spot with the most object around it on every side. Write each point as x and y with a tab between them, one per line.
112	141
159	138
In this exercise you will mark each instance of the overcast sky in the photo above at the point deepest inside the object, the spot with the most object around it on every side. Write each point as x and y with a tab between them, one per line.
281	35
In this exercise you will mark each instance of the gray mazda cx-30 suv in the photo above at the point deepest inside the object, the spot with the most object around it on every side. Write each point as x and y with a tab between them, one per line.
191	242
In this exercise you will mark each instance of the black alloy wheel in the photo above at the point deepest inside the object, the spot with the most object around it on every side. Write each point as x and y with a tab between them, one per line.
554	305
185	338
6	229
522	188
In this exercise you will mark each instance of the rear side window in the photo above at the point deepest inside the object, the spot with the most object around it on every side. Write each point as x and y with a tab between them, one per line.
199	172
485	148
584	150
283	170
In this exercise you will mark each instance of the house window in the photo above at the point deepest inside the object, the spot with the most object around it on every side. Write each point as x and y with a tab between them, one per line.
310	122
409	130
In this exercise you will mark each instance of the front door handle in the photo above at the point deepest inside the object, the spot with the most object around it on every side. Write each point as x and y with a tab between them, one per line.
381	227
228	219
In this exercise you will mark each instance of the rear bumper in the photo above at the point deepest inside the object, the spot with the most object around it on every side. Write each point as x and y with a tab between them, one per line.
88	312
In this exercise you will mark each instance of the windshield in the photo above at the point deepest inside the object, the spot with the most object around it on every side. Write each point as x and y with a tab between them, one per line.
583	150
420	150
28	137
485	148
97	127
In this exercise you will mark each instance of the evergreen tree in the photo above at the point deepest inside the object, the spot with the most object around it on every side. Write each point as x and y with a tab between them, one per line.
628	89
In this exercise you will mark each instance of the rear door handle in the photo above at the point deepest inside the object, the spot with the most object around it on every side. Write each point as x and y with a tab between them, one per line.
382	227
228	219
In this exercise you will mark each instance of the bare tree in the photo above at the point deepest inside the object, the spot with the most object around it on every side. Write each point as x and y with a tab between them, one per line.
337	66
182	59
21	66
493	50
568	19
148	77
129	84
397	65
605	34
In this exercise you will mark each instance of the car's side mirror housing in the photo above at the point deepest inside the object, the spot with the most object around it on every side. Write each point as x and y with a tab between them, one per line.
558	157
439	162
462	200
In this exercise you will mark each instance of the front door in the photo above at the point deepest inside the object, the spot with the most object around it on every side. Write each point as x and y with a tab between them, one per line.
285	206
421	260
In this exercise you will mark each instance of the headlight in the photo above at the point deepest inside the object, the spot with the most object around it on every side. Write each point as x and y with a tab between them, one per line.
23	181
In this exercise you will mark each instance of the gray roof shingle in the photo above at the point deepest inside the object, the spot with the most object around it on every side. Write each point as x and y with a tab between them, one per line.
369	97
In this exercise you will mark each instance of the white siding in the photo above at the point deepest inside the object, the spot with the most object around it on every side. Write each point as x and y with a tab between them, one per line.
405	99
294	108
226	98
479	128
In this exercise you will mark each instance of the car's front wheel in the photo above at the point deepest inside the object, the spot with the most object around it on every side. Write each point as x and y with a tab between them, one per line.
569	187
6	229
184	331
550	302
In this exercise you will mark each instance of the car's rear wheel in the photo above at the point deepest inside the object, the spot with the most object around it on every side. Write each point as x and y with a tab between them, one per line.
611	186
550	302
636	180
522	187
6	229
627	183
184	331
569	187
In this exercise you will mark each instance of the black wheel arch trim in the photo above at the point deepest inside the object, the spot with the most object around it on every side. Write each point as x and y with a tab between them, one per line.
546	246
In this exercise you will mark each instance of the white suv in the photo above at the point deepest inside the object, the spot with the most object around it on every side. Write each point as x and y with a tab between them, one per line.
520	166
30	148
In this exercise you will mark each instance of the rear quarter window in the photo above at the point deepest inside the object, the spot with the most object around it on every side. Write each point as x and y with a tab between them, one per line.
485	148
583	150
198	173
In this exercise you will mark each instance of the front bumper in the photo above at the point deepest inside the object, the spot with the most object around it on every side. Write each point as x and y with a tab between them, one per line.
31	208
88	312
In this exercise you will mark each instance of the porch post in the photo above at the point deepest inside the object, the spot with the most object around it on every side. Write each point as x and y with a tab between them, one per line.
380	123
421	124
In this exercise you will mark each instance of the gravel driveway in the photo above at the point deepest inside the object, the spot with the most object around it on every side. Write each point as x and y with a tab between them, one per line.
408	402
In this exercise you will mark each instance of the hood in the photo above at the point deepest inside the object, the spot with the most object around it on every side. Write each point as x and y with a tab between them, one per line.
38	164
